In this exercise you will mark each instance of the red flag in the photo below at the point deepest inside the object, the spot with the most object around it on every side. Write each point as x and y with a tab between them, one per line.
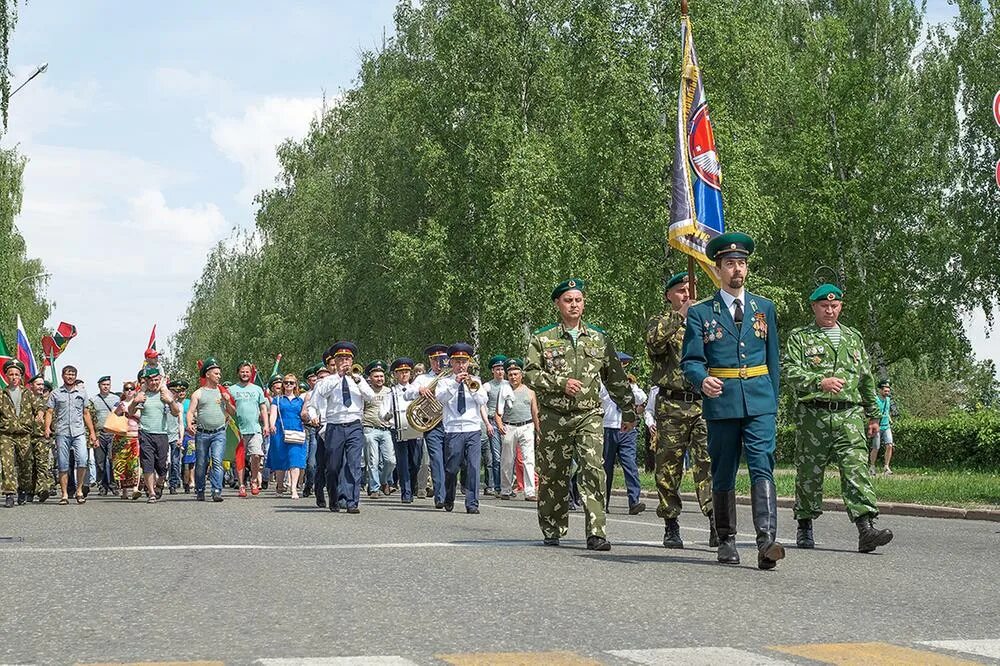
54	345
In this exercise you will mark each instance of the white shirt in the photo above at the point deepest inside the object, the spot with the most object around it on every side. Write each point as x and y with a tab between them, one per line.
613	415
397	396
413	388
730	302
454	421
327	399
649	414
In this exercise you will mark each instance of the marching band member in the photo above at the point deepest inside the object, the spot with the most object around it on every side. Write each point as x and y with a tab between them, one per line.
434	438
409	447
462	397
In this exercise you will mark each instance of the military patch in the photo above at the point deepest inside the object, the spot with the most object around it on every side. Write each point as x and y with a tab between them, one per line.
753	305
716	308
552	343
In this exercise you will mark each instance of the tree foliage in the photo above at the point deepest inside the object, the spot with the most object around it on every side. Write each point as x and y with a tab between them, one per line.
491	149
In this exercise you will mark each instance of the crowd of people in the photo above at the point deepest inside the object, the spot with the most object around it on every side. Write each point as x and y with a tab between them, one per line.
548	428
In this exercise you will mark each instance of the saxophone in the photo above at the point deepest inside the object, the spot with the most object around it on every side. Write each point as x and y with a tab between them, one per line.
425	413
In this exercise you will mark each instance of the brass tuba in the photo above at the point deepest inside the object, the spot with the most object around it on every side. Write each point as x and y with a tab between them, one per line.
425	413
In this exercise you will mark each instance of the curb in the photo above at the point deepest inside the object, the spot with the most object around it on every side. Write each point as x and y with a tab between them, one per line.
884	508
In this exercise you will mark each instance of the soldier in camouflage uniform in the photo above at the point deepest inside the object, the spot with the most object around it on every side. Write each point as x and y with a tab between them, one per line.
829	369
44	472
18	410
566	364
680	427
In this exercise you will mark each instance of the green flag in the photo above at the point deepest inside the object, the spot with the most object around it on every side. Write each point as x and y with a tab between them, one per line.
5	355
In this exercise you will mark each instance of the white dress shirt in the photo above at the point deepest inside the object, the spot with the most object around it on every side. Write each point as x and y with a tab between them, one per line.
730	302
327	399
649	414
613	415
454	421
413	388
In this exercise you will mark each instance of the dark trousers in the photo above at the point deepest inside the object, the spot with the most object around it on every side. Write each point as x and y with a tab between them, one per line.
621	446
344	444
311	443
102	459
320	478
462	447
408	458
728	439
176	463
434	438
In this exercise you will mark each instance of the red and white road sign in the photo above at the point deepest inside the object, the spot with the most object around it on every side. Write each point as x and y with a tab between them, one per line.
996	107
997	173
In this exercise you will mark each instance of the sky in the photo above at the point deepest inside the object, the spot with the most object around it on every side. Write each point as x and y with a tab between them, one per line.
152	130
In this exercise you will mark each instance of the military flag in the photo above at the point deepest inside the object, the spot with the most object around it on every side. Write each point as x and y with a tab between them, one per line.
24	353
696	187
5	356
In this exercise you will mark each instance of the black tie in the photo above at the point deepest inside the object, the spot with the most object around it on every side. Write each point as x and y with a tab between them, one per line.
345	387
461	398
738	313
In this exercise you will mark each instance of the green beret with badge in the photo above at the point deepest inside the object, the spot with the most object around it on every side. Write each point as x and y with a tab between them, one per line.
13	363
569	285
827	292
209	364
676	279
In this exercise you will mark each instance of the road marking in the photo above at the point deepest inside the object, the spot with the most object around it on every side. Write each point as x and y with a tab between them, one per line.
337	661
251	546
517	659
868	654
699	656
983	648
156	663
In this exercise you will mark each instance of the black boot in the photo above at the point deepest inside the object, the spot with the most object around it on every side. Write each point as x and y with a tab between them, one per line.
804	535
320	497
307	490
764	504
9	501
21	498
713	534
870	538
724	511
672	534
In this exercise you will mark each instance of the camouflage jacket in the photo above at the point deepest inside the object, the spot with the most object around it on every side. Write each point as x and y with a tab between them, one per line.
811	357
664	341
553	359
25	423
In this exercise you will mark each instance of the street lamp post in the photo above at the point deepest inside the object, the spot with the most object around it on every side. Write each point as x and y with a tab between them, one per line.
31	277
39	70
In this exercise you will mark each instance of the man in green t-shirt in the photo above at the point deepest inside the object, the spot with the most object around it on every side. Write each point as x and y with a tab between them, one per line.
252	420
155	405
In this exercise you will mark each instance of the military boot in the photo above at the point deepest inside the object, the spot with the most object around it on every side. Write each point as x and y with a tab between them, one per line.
764	505
672	534
320	497
713	534
724	511
9	501
870	538
804	534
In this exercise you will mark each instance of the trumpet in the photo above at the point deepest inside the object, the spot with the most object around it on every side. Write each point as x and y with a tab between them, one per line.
472	383
631	378
357	372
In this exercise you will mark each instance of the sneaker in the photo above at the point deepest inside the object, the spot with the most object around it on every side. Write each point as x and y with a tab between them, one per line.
871	470
152	500
887	471
256	491
217	497
242	492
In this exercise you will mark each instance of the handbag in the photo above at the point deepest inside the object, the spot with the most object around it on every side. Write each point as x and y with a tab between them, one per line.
291	436
115	424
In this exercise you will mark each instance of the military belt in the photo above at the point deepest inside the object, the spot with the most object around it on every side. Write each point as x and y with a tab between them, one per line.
683	396
518	424
833	406
738	373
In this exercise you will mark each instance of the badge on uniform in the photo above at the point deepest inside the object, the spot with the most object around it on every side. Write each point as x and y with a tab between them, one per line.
712	331
715	307
760	325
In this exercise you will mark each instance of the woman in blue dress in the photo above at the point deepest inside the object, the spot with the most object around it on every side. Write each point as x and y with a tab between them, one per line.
287	452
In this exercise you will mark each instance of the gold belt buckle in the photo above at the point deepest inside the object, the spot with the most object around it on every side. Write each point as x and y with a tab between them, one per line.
743	372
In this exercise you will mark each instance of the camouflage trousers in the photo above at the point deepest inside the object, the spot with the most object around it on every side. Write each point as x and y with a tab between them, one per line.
823	437
681	429
19	462
565	437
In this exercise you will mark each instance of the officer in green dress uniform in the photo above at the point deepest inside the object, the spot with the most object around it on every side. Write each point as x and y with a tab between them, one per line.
829	370
731	356
566	364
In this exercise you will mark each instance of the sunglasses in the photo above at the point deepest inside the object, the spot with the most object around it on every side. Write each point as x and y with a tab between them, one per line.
129	388
290	383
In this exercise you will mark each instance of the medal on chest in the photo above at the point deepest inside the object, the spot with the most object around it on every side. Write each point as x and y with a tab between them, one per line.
760	325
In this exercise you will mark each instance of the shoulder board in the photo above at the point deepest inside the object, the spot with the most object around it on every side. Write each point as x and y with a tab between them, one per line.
705	300
850	329
597	328
544	329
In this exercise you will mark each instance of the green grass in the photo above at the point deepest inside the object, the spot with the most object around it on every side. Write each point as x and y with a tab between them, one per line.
916	485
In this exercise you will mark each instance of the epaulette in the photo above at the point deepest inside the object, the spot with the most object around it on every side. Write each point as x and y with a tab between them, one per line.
545	328
705	300
597	328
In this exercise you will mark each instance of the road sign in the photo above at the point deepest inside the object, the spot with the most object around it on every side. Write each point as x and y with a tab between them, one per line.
996	107
996	175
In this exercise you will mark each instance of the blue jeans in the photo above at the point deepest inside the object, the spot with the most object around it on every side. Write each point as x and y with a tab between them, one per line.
176	464
63	445
621	446
209	444
380	458
493	461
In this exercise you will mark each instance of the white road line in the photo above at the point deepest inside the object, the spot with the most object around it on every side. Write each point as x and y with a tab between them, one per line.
337	661
700	656
983	648
250	546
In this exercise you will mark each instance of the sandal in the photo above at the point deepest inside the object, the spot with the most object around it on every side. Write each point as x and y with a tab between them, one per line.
80	499
63	501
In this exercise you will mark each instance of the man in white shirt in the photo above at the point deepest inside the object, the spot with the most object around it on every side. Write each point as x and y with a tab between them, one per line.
516	417
434	438
340	399
621	446
462	419
409	446
380	454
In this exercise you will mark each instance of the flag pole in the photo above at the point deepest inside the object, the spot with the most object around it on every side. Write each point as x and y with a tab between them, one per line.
692	288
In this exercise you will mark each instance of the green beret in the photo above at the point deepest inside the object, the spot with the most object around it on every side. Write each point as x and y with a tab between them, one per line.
209	364
728	246
513	363
827	292
274	378
151	372
227	384
47	384
376	366
311	370
498	359
303	386
105	378
676	279
13	363
568	285
178	384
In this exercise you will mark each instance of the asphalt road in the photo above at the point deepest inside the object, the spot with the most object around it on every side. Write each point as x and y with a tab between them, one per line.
269	578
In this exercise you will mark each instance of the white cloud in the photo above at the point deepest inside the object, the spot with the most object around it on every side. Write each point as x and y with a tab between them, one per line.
181	82
199	227
251	139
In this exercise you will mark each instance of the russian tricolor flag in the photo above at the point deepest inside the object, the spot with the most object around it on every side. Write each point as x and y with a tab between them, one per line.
24	354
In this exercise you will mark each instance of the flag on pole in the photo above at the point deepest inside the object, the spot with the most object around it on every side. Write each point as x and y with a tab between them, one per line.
55	344
696	187
24	353
5	356
274	370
